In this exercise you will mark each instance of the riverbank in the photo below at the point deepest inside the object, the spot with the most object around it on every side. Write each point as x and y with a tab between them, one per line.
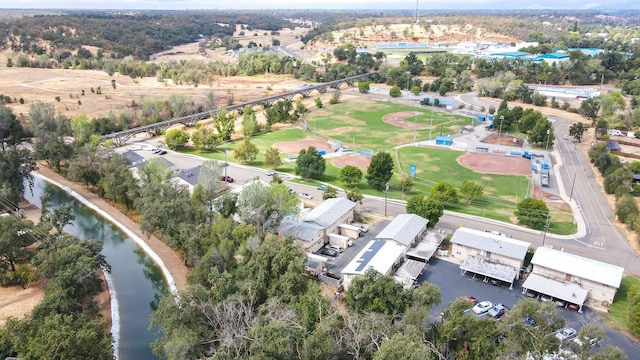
169	257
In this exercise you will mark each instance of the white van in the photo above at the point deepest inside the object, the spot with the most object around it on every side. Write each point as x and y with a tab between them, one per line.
614	132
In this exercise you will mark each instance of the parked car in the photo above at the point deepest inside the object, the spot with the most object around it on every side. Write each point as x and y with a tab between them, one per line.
496	311
162	152
573	307
581	340
305	196
322	187
565	137
561	303
566	334
291	191
482	307
350	243
528	321
155	151
363	229
228	179
545	298
334	247
329	252
531	294
271	172
471	299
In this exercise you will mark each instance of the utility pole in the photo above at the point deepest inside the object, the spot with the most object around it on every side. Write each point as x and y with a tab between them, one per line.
500	131
386	190
546	228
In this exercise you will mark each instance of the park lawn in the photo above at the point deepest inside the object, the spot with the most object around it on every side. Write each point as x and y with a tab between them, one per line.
360	125
617	315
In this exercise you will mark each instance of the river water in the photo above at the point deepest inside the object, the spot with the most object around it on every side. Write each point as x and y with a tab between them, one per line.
137	281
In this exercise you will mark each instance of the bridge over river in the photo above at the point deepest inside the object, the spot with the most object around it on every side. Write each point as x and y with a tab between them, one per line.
121	137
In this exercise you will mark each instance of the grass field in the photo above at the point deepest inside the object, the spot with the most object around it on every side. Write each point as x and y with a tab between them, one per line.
618	311
348	121
361	124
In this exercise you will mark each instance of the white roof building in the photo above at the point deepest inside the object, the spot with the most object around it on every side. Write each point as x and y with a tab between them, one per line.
491	243
377	254
329	212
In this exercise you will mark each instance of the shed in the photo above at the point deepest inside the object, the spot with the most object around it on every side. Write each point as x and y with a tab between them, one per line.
444	140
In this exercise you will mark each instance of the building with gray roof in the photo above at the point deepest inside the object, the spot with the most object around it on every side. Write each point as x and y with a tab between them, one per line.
489	254
405	229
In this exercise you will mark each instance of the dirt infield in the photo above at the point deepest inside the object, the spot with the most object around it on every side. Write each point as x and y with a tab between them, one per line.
359	161
398	119
506	140
495	164
293	147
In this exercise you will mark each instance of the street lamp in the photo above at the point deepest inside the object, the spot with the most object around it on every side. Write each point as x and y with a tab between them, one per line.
546	228
386	190
408	81
546	149
500	131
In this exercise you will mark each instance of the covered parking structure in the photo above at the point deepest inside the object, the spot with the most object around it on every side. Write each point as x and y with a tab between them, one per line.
490	269
568	291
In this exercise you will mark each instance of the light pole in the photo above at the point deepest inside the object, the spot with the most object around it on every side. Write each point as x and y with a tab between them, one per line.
386	190
546	149
225	163
546	228
408	80
500	131
430	126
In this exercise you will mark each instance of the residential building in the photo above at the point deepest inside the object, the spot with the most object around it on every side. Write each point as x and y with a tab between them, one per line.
573	278
383	256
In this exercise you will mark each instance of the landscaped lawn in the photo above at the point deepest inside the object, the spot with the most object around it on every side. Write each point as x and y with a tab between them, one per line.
618	311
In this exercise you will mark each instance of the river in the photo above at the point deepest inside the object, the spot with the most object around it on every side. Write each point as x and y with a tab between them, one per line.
137	281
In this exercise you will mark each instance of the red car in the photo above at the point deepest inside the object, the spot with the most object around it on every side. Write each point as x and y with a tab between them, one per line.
228	179
471	299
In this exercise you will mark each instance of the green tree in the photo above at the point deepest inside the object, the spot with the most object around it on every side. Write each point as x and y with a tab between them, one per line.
533	212
318	102
633	311
272	158
396	347
176	138
626	208
445	193
204	138
310	164
374	292
589	109
430	209
380	170
224	123
16	166
363	86
11	130
577	130
415	90
350	175
246	151
355	195
15	238
250	125
330	193
471	190
264	206
82	129
395	91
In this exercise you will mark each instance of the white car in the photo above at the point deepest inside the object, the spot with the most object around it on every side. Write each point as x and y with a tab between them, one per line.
305	196
482	307
271	172
566	334
334	247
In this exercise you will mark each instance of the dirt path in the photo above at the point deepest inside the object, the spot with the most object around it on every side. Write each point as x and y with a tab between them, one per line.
171	260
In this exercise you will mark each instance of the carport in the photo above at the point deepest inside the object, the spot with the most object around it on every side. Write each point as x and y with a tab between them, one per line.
409	272
489	269
567	291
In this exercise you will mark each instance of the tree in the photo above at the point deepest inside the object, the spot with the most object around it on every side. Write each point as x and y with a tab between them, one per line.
445	193
396	347
246	151
264	206
471	190
310	164
329	193
250	125
430	209
224	124
355	195
318	102
380	170
577	130
209	182
11	130
589	109
204	138
633	311
16	166
363	86
533	212
176	138
415	90
272	158
350	175
15	237
395	91
374	292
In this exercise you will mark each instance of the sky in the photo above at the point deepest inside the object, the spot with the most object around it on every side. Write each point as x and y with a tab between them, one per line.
424	5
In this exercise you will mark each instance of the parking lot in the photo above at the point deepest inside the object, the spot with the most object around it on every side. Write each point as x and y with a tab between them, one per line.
453	285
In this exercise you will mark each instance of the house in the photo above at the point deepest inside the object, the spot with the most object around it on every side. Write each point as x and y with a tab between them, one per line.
189	177
489	254
553	58
405	230
320	224
134	158
383	256
572	278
